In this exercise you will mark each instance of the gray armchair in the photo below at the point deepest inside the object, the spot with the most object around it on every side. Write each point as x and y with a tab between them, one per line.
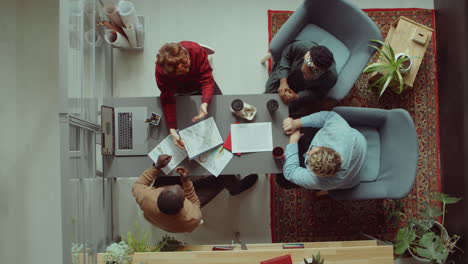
391	162
340	26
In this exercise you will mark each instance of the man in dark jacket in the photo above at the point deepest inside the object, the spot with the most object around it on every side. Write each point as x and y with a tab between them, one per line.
304	76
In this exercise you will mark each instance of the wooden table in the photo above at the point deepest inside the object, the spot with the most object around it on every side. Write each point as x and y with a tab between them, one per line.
411	37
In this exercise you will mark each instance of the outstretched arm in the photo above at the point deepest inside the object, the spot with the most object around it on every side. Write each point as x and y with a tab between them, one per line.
187	184
143	184
322	119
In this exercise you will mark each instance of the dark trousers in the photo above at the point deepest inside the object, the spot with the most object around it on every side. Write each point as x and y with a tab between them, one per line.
304	144
206	188
273	81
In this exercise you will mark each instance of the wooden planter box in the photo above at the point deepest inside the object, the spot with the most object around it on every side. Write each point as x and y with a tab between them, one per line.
345	252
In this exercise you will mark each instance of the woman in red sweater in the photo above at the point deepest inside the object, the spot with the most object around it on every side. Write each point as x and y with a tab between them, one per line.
183	69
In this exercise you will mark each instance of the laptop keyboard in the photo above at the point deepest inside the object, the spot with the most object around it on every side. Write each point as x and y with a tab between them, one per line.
125	131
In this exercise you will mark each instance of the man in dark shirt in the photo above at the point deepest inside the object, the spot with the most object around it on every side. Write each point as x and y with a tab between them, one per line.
304	76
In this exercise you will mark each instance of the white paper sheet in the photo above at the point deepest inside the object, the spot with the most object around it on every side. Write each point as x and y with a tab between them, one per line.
116	39
255	137
168	147
201	137
127	12
131	34
215	160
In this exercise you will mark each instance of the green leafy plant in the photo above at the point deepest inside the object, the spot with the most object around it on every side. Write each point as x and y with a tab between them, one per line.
140	242
389	66
444	199
424	237
316	259
168	243
394	212
431	247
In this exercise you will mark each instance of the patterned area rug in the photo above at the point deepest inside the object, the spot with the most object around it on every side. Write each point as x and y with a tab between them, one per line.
298	215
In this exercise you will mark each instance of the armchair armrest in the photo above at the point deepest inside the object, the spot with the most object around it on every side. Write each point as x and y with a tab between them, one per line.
361	116
351	71
399	150
288	32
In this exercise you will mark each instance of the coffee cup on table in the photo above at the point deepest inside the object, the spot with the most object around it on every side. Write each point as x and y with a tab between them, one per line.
243	109
237	105
278	156
272	105
278	153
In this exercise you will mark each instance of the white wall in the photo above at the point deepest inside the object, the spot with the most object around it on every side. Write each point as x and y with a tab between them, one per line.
7	140
30	206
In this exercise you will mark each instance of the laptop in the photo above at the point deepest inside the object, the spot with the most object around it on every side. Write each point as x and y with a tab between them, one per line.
124	131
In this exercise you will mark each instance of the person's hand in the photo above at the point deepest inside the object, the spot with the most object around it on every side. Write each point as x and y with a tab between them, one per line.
290	125
183	172
283	87
176	139
203	112
282	90
163	160
295	136
288	95
291	95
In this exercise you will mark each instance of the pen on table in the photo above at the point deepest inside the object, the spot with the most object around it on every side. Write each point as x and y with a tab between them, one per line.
221	150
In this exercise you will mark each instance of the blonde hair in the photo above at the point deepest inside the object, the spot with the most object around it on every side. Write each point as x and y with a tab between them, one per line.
324	162
173	58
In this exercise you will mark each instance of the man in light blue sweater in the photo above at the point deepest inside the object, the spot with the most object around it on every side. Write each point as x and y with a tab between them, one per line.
333	158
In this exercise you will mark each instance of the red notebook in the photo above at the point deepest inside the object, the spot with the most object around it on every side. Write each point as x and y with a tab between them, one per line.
286	259
228	142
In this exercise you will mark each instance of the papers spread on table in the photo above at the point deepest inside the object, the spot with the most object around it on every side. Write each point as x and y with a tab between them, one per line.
215	160
255	137
168	147
201	137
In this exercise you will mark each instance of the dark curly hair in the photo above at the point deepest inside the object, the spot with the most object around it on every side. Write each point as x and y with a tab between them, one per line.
321	56
170	202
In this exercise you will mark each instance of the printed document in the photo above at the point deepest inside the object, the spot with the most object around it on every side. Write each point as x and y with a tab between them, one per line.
168	147
201	137
254	137
215	160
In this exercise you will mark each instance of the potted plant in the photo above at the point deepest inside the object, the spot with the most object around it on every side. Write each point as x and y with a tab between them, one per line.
392	67
406	65
124	252
140	242
118	253
316	259
424	237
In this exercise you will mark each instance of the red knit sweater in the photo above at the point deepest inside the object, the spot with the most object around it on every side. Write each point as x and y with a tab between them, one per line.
199	77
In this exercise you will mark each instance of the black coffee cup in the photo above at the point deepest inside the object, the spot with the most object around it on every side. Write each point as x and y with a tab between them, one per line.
237	105
272	105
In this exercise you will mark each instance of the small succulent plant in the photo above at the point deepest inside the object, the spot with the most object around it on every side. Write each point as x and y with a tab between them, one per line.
316	259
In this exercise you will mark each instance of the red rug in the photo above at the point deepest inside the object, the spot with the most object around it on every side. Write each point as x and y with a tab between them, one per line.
297	215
